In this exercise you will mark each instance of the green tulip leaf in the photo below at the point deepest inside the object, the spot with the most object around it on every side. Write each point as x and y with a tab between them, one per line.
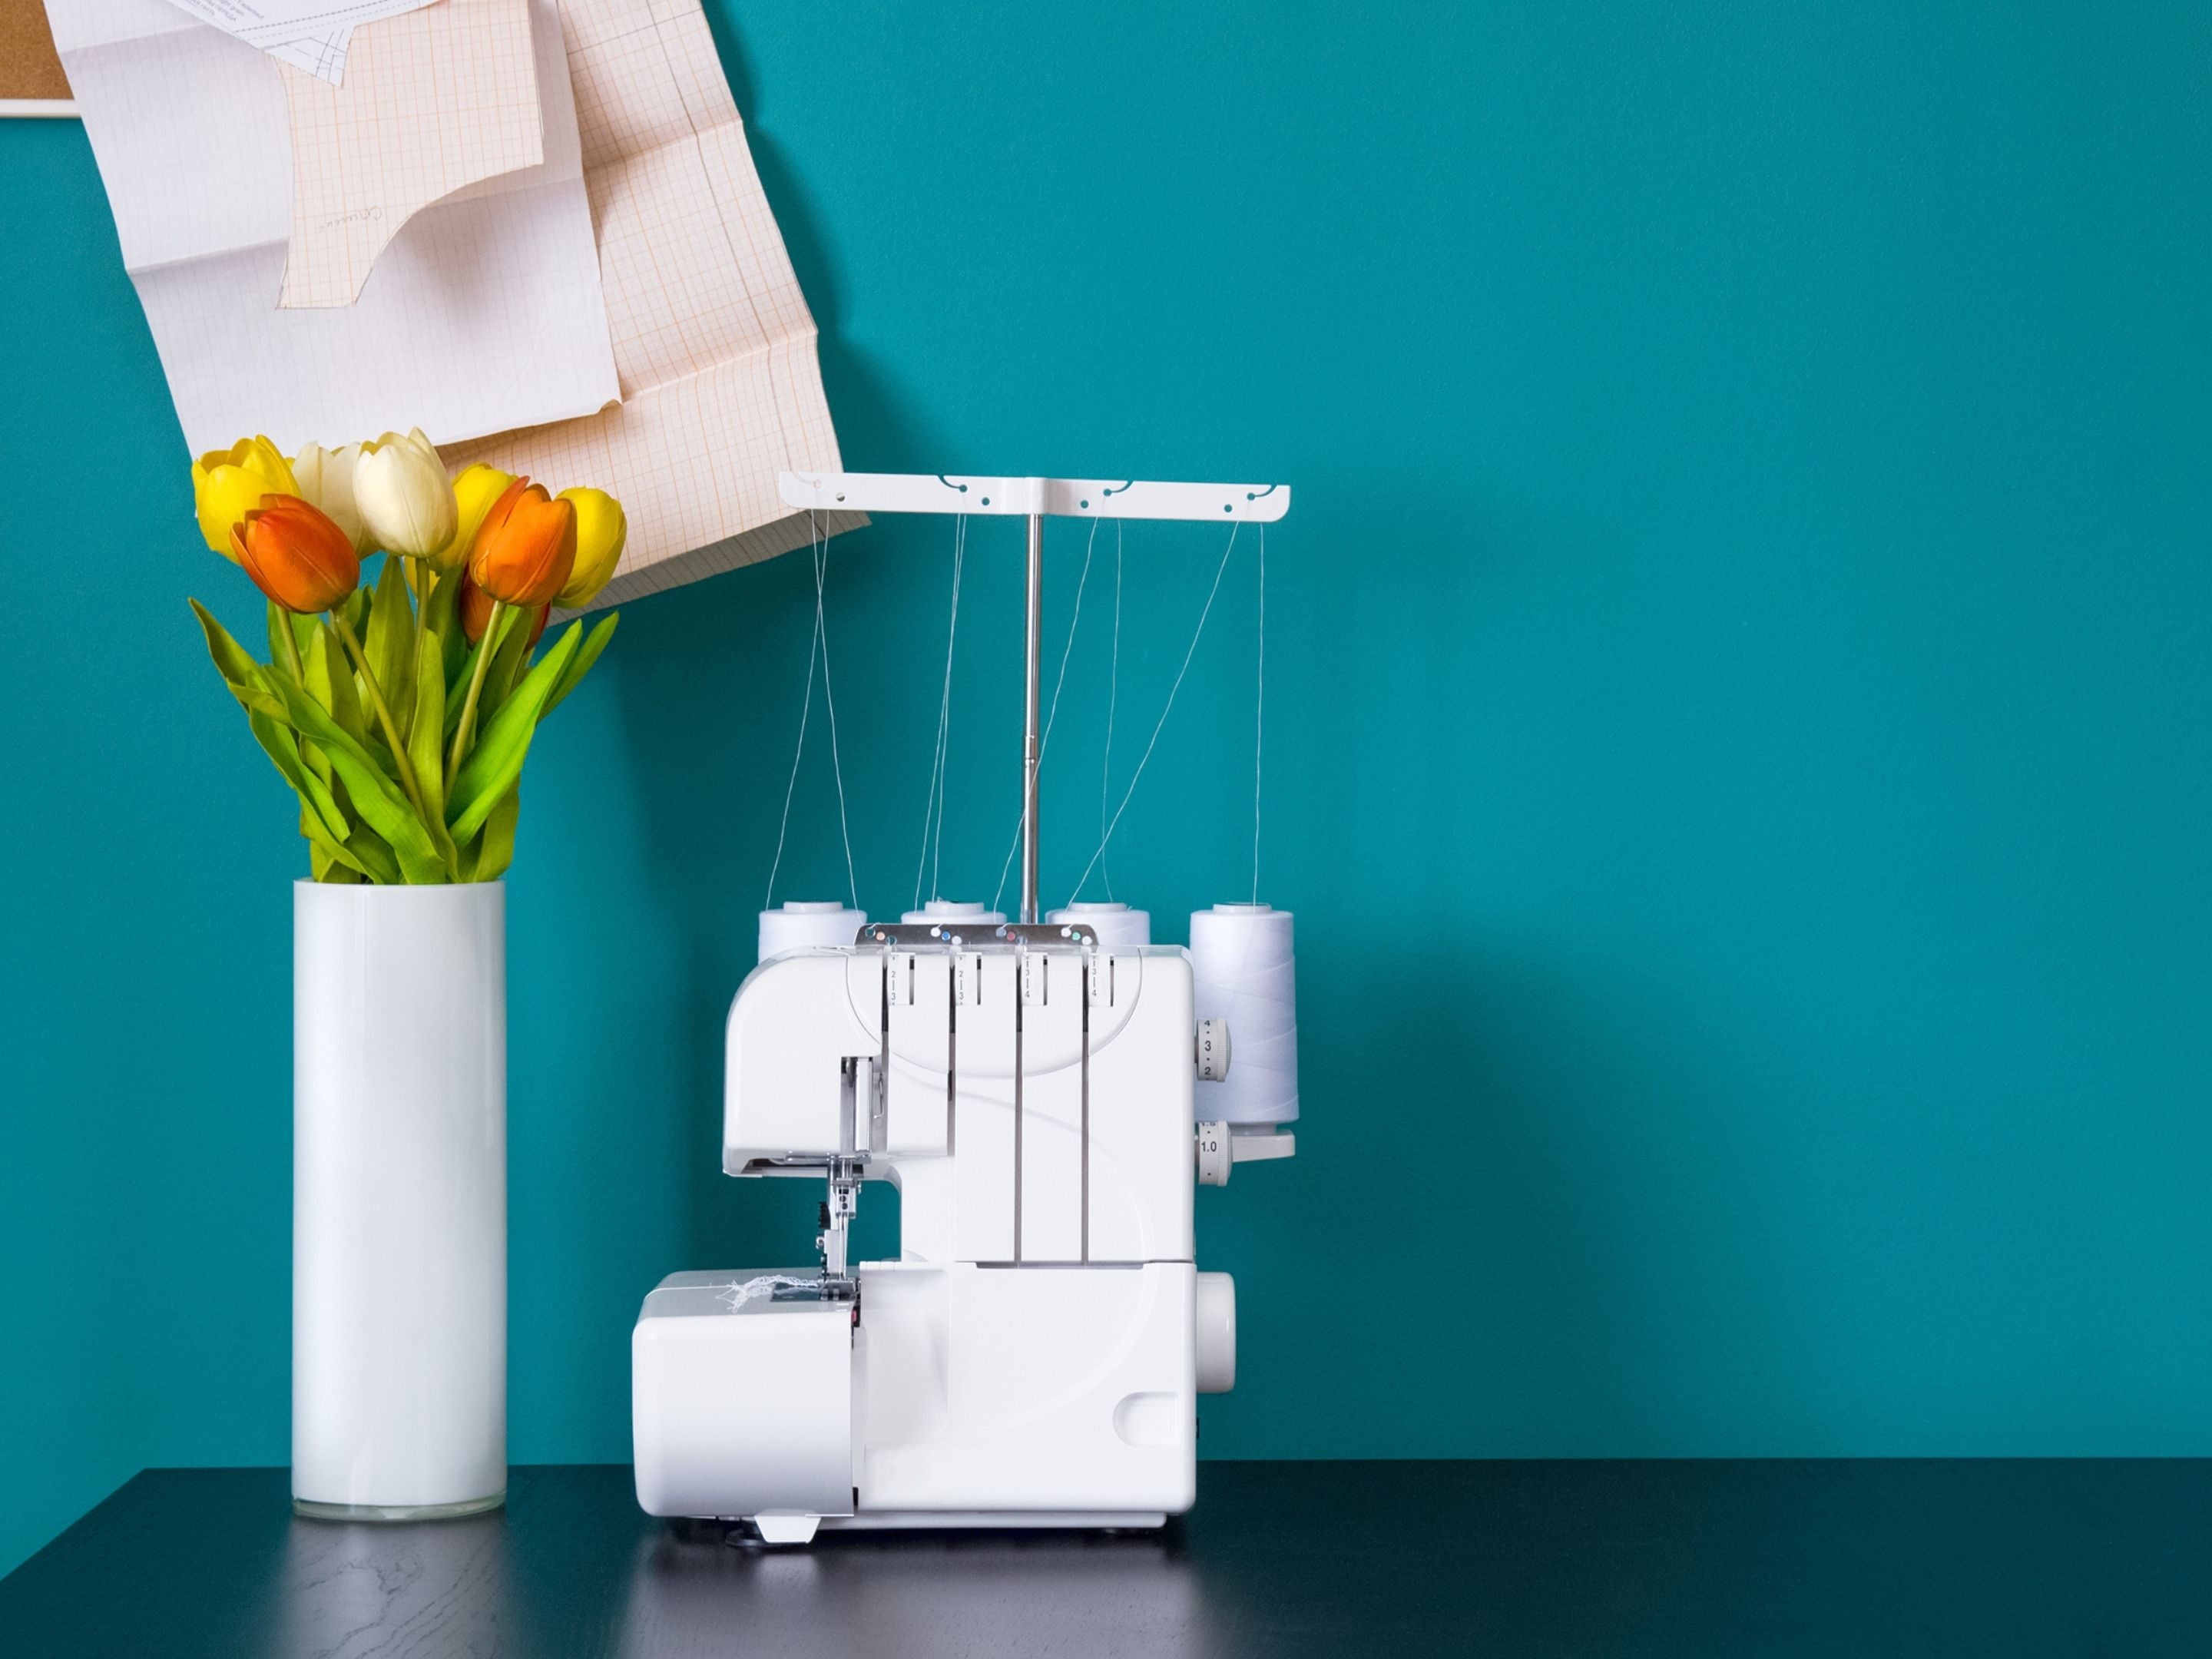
494	849
497	761
388	814
302	630
375	796
354	607
499	675
240	671
331	683
375	856
390	642
427	725
231	660
327	870
443	618
328	859
507	664
280	623
364	851
594	642
316	799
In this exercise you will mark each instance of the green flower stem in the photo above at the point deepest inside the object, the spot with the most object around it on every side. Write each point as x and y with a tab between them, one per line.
422	568
292	650
466	730
408	781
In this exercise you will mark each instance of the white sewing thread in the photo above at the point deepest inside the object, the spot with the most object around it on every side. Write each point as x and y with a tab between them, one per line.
818	546
1161	724
805	707
734	1295
830	701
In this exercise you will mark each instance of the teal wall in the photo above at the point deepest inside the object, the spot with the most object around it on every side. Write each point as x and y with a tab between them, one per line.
1738	679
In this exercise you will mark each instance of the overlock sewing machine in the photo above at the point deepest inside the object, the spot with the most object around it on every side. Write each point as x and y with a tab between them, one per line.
1036	1092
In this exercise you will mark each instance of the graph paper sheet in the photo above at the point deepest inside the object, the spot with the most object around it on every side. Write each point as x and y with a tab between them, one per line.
308	34
713	340
483	314
436	100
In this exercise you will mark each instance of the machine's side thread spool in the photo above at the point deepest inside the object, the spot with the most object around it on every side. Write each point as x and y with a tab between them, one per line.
1243	970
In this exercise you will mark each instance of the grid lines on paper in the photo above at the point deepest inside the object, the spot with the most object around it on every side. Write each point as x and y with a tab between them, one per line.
434	100
714	344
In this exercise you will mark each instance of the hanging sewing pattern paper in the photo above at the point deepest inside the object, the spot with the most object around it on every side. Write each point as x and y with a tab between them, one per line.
435	102
483	313
713	341
310	36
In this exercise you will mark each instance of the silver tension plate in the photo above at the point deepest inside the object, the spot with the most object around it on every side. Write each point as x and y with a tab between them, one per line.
916	933
1049	932
930	935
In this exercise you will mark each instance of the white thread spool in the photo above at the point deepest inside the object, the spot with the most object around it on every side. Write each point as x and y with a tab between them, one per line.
1243	970
977	917
803	924
1118	926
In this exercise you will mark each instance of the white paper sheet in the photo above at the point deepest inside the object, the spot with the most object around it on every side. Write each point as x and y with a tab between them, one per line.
722	388
484	313
308	34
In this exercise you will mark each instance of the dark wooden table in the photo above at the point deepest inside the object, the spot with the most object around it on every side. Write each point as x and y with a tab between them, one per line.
1281	1559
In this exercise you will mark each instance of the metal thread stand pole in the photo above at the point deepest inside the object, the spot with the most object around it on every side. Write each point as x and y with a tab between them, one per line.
1032	735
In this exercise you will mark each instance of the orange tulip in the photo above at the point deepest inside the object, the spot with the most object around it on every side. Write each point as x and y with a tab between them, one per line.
526	547
476	612
296	554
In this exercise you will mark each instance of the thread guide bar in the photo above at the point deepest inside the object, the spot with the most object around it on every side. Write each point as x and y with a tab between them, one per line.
1019	498
1036	500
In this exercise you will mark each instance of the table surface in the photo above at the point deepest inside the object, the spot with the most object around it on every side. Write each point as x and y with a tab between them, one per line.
2020	1558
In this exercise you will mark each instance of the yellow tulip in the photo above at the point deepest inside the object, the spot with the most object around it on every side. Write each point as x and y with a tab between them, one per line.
601	530
229	484
326	477
474	493
405	502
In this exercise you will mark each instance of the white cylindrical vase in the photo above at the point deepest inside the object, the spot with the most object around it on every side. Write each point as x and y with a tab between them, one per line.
398	1201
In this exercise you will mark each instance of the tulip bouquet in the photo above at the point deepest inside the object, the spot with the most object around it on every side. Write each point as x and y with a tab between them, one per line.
400	713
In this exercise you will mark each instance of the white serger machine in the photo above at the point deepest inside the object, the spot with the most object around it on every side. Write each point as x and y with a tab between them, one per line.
1044	1096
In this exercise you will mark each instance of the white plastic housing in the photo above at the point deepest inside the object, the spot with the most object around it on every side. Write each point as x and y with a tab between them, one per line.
1041	1388
740	1405
1035	1355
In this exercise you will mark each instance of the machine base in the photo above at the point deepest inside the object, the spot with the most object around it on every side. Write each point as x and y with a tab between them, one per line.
972	1518
801	1528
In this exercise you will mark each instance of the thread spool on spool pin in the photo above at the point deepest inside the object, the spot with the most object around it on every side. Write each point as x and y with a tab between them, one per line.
808	924
1243	971
1116	926
976	918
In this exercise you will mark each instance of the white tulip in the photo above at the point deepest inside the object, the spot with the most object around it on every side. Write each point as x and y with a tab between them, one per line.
326	477
400	487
